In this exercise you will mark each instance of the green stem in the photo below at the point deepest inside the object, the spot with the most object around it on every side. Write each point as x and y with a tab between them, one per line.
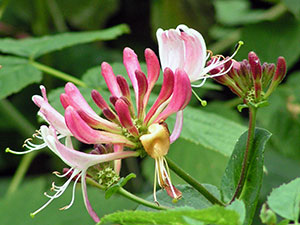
190	180
128	195
26	129
57	73
249	145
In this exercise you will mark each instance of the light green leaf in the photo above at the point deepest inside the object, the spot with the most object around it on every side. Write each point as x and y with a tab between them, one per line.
190	197
216	215
251	190
237	12
35	47
15	209
285	200
209	130
282	117
204	165
283	33
293	6
114	188
15	74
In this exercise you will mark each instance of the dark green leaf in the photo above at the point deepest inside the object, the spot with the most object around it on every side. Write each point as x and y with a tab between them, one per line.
254	176
35	47
285	200
283	33
15	74
190	197
216	215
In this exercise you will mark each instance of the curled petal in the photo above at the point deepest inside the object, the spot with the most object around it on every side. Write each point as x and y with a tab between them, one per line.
181	95
53	117
110	79
165	93
84	133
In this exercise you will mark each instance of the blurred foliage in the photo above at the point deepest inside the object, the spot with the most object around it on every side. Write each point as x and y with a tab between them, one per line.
270	28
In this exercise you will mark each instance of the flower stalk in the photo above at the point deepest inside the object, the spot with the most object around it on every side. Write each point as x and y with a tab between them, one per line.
248	151
128	195
56	73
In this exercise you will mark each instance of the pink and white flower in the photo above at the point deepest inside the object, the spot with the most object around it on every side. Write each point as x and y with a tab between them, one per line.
185	48
125	125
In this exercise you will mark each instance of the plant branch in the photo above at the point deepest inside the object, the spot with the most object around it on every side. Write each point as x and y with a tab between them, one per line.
128	195
195	184
58	74
249	146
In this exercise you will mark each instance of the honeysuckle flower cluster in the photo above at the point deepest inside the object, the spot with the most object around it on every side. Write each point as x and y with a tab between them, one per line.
126	128
250	80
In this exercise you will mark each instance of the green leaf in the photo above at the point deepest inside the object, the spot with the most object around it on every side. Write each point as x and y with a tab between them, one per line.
209	130
254	176
282	117
262	43
216	215
190	197
204	165
237	12
285	200
15	74
15	209
122	182
35	47
293	6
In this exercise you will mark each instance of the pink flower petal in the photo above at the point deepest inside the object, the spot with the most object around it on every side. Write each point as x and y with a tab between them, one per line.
153	71
177	127
87	203
110	79
53	117
131	64
142	89
181	95
84	133
77	101
99	100
124	116
165	93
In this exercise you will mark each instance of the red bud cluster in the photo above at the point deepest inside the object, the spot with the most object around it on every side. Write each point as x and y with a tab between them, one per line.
250	80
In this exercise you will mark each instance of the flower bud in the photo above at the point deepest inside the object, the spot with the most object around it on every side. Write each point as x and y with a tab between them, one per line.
157	142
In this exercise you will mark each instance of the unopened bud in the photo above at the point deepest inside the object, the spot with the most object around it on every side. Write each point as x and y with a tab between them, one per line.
157	142
280	69
256	73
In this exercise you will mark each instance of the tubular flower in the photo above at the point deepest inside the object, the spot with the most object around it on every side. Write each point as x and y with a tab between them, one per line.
125	124
185	48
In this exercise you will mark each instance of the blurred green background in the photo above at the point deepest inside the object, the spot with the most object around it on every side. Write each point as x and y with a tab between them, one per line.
271	28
